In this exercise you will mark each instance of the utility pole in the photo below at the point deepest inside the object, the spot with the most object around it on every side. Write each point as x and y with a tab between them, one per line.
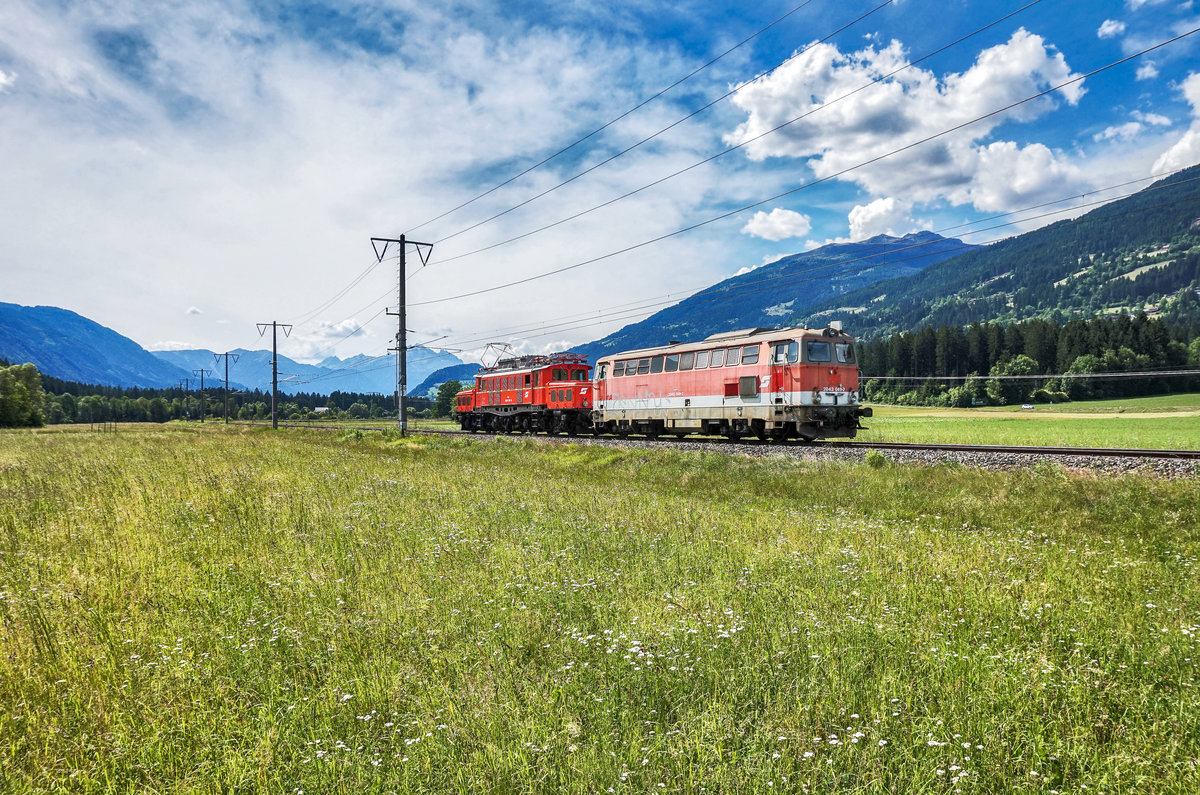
201	372
225	393
287	332
185	384
423	250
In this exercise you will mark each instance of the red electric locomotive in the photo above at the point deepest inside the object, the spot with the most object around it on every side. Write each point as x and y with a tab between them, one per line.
770	383
528	394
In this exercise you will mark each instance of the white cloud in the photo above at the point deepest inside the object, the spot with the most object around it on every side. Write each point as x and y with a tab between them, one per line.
311	344
1110	29
777	225
835	138
194	310
1147	71
1156	119
172	345
1186	151
880	217
6	80
1122	132
252	154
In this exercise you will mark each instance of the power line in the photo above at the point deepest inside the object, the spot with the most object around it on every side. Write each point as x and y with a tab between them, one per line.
716	292
1043	376
608	124
818	181
671	126
727	150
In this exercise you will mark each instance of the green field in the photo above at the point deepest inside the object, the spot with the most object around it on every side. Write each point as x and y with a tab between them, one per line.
1165	422
187	610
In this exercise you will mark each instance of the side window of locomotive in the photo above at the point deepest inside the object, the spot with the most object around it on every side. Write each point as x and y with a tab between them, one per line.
643	366
733	356
817	351
750	354
845	352
686	360
701	360
603	371
718	358
579	375
528	379
656	364
618	369
570	393
793	354
672	363
559	374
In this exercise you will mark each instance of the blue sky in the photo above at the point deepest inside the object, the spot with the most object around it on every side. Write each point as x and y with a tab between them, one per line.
181	171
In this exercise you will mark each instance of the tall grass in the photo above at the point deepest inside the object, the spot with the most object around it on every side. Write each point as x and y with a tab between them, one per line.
237	611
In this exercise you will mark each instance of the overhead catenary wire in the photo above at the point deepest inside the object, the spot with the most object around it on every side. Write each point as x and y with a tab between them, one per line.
651	137
610	123
842	172
730	149
636	309
738	146
717	292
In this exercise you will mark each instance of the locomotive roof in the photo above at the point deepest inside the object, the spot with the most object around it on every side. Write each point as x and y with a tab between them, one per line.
533	362
729	337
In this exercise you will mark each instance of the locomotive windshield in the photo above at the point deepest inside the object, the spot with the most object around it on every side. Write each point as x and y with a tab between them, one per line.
816	351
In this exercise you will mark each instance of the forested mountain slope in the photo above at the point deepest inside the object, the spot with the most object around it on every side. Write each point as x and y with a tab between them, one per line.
1134	254
770	295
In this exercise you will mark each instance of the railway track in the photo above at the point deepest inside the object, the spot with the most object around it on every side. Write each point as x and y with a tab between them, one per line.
748	445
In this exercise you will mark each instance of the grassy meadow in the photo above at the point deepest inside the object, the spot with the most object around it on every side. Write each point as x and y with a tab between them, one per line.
1162	422
235	610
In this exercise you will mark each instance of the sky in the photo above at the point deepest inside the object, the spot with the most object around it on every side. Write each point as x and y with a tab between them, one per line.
183	171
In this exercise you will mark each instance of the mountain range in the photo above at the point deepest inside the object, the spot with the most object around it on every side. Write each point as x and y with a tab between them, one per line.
774	294
66	345
1140	253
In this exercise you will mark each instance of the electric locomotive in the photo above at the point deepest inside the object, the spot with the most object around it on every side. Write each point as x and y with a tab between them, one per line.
770	383
529	394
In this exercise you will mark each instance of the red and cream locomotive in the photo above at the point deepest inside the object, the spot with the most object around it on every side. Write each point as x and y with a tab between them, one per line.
770	383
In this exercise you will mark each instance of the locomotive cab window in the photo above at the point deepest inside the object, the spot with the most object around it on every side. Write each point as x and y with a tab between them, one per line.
844	351
686	360
785	352
816	351
579	375
656	364
603	371
559	373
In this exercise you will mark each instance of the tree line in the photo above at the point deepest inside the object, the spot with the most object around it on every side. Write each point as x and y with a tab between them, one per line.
29	398
1002	359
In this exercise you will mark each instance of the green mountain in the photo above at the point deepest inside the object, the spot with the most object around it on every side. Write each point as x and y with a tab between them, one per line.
770	295
1140	253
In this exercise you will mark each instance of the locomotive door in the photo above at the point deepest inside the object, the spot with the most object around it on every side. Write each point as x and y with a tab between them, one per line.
782	354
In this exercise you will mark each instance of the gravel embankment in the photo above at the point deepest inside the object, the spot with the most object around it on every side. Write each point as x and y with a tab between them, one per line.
1158	467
